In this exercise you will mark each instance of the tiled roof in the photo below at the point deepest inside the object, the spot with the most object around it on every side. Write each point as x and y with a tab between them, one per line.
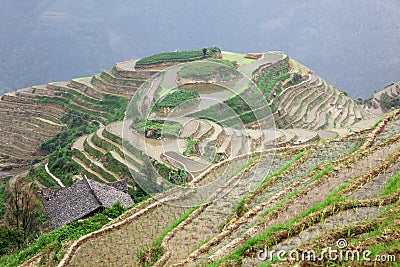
69	204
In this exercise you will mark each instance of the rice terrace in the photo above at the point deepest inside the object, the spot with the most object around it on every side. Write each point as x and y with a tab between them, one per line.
200	158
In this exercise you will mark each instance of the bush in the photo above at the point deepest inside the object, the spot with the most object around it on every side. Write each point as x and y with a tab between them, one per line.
389	102
174	176
10	239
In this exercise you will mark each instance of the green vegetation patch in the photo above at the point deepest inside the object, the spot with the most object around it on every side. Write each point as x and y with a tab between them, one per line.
206	70
113	106
392	186
43	177
50	122
175	98
229	63
190	147
390	102
60	159
239	58
157	128
178	176
181	56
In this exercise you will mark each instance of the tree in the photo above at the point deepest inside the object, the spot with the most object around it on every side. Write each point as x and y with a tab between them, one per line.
22	209
10	239
204	52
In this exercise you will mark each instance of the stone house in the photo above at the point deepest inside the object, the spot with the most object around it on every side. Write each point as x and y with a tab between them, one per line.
81	200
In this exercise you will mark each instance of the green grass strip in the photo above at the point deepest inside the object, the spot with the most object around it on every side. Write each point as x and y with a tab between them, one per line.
49	122
392	186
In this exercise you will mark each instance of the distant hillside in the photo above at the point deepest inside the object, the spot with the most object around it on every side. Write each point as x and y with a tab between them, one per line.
352	44
384	100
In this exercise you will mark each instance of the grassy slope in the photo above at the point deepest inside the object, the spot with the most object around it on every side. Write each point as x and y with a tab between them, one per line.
239	58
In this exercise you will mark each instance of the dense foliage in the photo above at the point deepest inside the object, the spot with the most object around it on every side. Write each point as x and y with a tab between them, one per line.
76	127
9	239
78	122
390	102
60	159
178	177
41	175
190	147
181	56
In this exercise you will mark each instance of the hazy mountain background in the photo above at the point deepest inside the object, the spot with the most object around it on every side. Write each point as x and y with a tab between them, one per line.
353	44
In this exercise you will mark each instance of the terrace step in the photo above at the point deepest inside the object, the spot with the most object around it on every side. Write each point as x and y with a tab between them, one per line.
126	69
31	124
351	117
193	165
124	91
395	90
64	87
217	132
226	146
303	136
204	129
85	86
109	76
126	152
89	140
17	153
55	110
19	140
124	161
343	115
83	165
80	147
290	137
189	129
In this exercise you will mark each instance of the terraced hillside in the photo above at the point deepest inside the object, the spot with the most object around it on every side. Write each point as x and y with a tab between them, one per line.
308	191
270	155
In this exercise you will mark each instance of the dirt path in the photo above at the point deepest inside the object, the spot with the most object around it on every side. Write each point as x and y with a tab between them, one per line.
53	176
